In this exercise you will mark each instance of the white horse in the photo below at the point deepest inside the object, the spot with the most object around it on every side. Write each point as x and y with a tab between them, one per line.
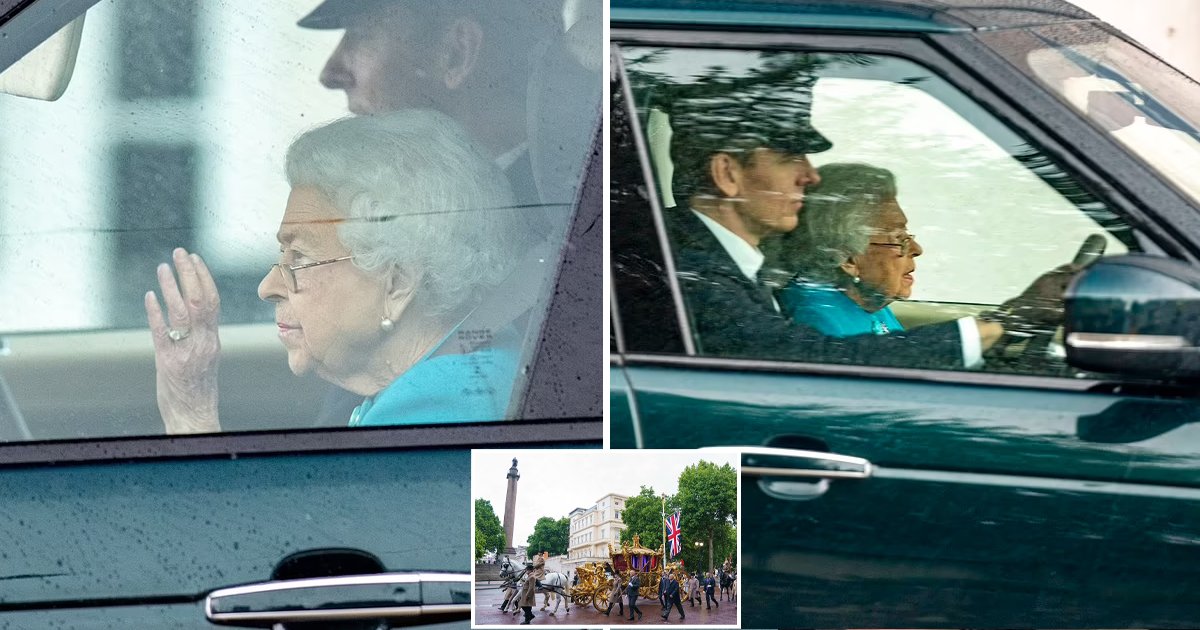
510	586
553	587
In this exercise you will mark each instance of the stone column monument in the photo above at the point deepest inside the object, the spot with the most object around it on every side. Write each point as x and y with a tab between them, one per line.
510	507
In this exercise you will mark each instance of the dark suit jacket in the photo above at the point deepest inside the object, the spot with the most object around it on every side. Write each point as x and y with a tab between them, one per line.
733	316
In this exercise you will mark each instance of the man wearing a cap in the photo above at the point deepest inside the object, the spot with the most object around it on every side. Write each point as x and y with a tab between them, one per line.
740	150
466	58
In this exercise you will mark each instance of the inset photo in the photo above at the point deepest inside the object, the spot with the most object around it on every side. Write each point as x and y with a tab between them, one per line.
590	538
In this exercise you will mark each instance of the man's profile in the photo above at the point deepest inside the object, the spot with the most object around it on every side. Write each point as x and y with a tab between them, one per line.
469	59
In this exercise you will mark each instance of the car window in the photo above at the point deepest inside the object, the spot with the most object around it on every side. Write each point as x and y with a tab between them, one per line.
427	199
1137	98
893	214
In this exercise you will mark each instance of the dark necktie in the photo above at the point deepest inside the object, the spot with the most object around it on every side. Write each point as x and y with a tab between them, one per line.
769	280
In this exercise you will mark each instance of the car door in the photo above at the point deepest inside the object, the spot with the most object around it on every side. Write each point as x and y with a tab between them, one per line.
164	124
1024	492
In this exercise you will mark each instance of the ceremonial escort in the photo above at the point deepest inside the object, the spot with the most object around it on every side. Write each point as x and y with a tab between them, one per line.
592	561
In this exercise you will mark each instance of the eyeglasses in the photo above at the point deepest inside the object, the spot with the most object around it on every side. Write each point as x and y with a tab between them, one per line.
289	271
907	243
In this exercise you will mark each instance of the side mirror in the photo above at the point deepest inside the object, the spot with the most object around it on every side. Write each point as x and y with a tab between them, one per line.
1136	315
44	72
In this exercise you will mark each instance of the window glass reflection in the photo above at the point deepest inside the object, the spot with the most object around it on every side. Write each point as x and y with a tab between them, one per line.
414	166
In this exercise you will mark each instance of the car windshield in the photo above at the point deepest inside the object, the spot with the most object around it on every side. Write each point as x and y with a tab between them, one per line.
330	212
1150	107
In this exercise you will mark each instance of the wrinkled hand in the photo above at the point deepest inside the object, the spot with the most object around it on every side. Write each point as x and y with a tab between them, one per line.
1041	304
186	345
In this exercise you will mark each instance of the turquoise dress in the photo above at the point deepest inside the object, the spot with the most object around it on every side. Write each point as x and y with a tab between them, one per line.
827	309
446	387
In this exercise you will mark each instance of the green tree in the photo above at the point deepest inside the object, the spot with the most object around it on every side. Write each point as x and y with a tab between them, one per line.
643	517
489	534
695	549
550	535
708	500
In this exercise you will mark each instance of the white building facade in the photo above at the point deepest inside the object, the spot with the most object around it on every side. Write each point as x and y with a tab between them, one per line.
592	529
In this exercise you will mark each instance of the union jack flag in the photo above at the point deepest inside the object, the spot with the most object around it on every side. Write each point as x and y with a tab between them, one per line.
674	534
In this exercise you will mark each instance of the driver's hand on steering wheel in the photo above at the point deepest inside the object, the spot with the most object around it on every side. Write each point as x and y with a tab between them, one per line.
1041	304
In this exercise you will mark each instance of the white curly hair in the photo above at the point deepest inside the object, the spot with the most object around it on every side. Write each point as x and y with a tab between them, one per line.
417	195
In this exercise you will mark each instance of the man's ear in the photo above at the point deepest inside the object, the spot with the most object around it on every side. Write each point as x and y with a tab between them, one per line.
726	174
461	46
400	287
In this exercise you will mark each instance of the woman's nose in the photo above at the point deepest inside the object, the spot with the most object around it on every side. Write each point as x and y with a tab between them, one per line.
271	287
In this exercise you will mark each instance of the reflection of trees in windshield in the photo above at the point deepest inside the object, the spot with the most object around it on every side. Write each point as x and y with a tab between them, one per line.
1067	186
767	100
743	100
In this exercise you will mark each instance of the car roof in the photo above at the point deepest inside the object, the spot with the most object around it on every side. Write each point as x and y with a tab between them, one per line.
935	16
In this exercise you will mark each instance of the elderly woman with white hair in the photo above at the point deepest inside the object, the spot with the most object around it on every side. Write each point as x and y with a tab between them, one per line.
396	229
851	256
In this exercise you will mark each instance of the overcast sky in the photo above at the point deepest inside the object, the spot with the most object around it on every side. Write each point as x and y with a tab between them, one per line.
555	481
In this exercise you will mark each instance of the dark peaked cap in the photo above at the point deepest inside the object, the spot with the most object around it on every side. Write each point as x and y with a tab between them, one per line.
769	107
332	14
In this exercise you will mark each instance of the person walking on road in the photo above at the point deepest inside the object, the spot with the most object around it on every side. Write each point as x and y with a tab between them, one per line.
693	589
631	591
615	595
710	586
670	597
534	571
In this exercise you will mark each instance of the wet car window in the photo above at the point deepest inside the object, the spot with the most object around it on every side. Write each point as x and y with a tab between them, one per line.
1140	100
280	214
863	208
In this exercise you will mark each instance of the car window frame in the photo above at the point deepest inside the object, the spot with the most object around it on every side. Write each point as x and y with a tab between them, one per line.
945	55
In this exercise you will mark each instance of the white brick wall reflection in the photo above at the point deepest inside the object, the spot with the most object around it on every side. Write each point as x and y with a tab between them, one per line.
257	90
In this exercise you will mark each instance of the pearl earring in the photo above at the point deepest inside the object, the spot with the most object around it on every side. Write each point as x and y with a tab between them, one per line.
386	324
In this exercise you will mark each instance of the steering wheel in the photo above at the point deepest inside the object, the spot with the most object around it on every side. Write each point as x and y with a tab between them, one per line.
1026	348
1026	345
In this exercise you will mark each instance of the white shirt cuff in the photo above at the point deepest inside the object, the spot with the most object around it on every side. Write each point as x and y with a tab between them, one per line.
972	345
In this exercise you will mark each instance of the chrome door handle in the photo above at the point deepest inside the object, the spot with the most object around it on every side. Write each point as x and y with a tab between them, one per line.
764	461
1126	342
437	596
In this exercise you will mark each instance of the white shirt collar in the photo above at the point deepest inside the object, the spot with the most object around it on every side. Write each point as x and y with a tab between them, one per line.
509	157
746	256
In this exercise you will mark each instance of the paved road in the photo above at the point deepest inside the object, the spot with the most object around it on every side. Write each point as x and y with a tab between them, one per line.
487	612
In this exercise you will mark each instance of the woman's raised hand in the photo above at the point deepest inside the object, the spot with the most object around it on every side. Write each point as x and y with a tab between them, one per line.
186	344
